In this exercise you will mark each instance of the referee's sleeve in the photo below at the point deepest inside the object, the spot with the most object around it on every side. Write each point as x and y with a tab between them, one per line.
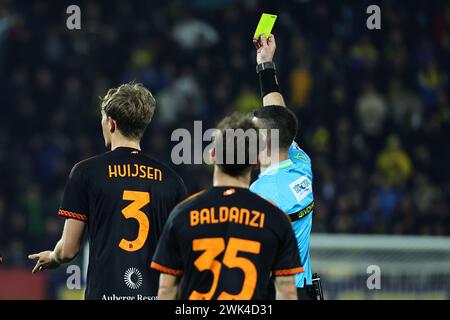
287	261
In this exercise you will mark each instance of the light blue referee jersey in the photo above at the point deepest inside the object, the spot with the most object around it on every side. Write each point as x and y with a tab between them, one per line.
288	184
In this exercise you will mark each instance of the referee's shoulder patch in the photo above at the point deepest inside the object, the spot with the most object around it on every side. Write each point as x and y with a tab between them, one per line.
301	187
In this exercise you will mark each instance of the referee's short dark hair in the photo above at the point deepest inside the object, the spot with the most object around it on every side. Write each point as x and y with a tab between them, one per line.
281	118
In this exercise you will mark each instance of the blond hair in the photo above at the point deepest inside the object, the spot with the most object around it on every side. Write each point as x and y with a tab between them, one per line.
132	106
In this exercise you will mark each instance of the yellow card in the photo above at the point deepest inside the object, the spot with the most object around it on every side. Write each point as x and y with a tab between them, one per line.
265	25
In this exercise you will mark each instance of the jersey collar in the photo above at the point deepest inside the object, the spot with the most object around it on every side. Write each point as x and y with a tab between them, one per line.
276	166
127	149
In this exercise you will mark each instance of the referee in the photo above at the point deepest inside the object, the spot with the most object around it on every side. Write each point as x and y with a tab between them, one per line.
224	243
286	175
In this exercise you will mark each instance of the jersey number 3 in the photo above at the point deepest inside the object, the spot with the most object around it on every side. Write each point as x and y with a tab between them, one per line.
133	211
213	247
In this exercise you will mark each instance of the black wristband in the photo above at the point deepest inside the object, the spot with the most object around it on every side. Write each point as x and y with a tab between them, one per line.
268	81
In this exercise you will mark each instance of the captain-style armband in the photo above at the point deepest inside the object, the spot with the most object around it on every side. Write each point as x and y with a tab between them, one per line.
267	75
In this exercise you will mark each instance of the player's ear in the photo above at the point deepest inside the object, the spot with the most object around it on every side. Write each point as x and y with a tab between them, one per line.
112	125
212	155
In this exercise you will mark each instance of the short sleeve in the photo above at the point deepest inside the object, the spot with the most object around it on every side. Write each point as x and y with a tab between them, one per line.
296	154
287	261
167	257
75	203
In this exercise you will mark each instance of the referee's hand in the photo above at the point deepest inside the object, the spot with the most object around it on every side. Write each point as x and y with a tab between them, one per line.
43	261
265	48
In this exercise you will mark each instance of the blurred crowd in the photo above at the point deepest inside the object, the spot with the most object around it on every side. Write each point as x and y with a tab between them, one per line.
373	104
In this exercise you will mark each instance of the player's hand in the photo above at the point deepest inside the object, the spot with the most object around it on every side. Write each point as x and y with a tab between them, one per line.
43	261
265	48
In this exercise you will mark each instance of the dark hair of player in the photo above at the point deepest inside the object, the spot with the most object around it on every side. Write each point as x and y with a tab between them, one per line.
281	118
237	121
132	107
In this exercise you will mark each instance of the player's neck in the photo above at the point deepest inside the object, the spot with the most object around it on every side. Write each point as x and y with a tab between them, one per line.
121	141
223	180
274	159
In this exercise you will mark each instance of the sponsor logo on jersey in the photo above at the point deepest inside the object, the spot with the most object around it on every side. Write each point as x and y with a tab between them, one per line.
301	188
133	278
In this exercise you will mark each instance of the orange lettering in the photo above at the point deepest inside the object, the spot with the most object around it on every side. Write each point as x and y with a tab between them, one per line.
149	173
135	174
111	172
207	261
122	173
213	216
232	260
234	215
255	217
133	211
211	248
143	174
204	216
194	218
223	214
158	174
244	212
261	222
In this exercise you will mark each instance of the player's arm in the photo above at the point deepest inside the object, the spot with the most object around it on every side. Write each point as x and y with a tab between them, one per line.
167	260
65	250
287	262
267	74
285	288
168	287
75	208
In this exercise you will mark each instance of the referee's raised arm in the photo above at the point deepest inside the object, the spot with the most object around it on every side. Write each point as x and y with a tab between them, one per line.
265	68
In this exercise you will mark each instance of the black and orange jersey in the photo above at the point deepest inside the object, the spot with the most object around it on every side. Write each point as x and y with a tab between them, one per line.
225	243
125	197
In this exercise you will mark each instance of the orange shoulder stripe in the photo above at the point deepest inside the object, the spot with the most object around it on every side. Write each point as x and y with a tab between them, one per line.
167	270
191	197
288	272
72	215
